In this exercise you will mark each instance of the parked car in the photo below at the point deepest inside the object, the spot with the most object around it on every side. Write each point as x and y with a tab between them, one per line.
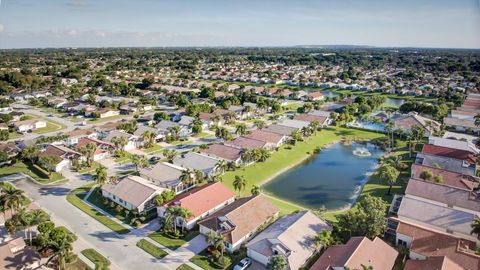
243	264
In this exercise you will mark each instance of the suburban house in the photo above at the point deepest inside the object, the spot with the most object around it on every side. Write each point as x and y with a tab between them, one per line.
440	207
102	151
296	124
105	129
186	120
133	193
448	178
201	201
425	244
432	263
223	152
65	154
449	164
196	161
164	128
290	236
16	255
452	143
104	113
461	125
246	143
284	130
357	252
313	96
240	111
323	121
132	140
141	130
239	221
75	135
165	175
10	148
272	140
407	122
29	125
208	120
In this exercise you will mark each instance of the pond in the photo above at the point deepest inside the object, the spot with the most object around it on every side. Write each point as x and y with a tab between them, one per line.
395	101
333	178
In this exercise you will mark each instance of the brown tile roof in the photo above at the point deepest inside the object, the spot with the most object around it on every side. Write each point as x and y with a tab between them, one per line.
432	263
202	199
459	197
459	122
265	136
408	121
222	151
205	116
108	126
311	118
246	214
132	189
101	145
284	130
450	178
60	151
357	251
431	243
430	149
10	148
80	132
247	143
15	255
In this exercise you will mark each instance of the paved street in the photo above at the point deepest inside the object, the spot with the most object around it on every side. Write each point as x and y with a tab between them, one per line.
119	249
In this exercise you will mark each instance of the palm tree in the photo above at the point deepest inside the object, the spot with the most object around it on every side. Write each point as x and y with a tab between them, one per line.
170	155
241	129
239	183
314	126
11	198
255	190
187	177
222	166
174	132
389	129
222	133
100	176
263	154
119	142
36	217
149	138
277	262
29	153
140	161
62	252
477	120
89	152
216	119
389	173
175	212
323	239
247	156
259	123
476	227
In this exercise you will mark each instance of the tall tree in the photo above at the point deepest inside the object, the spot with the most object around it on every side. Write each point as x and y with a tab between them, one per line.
100	176
390	174
239	183
140	161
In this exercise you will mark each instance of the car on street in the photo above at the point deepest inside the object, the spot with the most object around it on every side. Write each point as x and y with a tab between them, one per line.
243	264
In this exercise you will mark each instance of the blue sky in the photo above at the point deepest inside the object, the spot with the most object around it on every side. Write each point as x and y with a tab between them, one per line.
97	23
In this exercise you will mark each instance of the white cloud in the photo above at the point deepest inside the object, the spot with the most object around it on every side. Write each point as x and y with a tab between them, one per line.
2	28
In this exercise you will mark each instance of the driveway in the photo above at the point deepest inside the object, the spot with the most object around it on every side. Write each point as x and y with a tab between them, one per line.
184	253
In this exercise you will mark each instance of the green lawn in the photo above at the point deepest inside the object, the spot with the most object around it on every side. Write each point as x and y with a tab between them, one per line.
78	265
76	198
32	170
155	148
101	263
106	119
14	135
126	158
52	126
92	168
180	142
185	267
151	249
202	260
170	243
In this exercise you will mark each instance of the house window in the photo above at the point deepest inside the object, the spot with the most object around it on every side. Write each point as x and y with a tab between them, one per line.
402	243
113	196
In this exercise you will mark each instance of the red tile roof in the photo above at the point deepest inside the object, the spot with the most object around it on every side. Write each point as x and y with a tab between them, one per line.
357	251
265	136
432	263
434	150
202	199
431	243
222	151
453	179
